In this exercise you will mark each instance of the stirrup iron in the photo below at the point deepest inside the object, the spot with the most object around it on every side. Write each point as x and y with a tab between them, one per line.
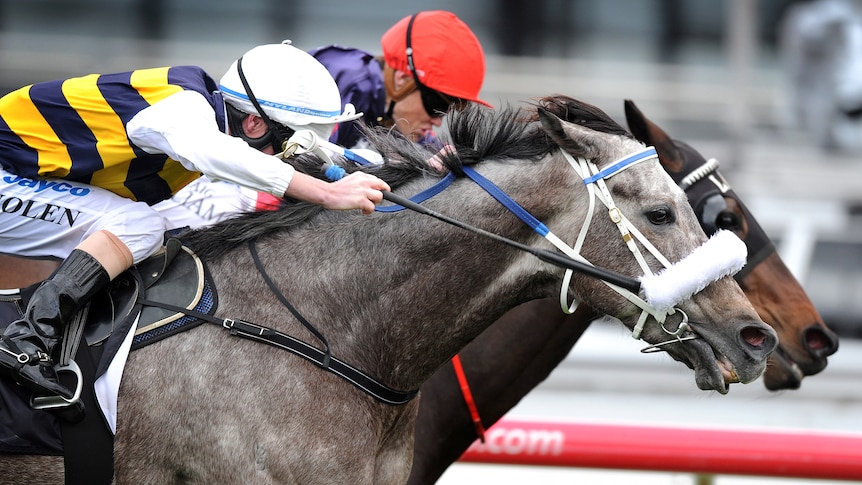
48	403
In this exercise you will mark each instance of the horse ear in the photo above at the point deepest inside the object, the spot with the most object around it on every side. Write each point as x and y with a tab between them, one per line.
552	125
571	137
568	136
648	132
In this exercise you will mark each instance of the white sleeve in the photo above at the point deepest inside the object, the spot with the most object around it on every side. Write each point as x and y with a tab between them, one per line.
204	202
50	217
368	154
183	127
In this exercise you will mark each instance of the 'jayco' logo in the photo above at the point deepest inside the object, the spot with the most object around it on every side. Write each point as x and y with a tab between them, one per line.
41	185
44	211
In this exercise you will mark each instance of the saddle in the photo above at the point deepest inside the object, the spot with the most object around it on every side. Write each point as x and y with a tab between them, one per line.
174	276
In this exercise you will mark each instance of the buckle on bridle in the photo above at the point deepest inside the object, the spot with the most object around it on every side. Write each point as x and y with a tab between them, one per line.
677	334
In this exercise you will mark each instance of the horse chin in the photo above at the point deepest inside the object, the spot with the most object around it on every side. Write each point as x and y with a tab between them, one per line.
711	372
782	372
727	370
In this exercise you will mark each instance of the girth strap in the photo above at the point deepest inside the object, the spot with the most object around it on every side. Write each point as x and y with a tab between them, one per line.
266	335
342	369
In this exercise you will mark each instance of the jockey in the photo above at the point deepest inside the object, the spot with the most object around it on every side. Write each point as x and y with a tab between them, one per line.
431	63
448	64
84	159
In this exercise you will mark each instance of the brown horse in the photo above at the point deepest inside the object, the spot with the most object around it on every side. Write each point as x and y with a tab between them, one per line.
20	272
397	295
805	341
521	349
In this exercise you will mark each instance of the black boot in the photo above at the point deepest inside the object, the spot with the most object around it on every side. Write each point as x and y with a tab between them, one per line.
27	347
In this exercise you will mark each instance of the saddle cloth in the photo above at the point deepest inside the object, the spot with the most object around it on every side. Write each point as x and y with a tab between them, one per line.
117	323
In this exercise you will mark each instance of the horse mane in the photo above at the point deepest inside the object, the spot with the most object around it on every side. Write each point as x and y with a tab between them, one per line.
477	133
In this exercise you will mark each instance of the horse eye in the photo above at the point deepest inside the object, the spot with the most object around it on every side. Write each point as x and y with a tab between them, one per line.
661	215
728	220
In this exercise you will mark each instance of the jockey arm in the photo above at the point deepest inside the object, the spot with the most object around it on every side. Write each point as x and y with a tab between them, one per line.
182	126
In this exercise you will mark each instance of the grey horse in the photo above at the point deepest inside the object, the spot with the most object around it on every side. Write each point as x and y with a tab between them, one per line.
397	295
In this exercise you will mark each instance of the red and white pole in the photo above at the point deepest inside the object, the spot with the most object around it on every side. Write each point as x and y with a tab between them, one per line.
798	454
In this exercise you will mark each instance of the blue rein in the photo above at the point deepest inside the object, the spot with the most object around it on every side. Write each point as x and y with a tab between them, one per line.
502	197
335	173
422	196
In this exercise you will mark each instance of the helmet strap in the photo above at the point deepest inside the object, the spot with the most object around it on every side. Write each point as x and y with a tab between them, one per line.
276	136
396	93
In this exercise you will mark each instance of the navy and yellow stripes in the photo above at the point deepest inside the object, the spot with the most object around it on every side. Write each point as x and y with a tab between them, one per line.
75	129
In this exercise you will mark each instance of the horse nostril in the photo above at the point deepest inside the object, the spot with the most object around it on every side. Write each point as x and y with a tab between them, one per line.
815	340
753	336
820	342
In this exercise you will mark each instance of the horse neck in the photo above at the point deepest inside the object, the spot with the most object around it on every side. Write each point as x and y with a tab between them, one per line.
398	294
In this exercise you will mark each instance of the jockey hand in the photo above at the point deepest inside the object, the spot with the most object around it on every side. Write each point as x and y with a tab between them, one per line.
436	161
357	190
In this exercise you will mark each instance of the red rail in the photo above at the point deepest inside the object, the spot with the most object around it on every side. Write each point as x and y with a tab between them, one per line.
798	454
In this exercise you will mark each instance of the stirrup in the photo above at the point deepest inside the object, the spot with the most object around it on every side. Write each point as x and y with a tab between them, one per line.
55	402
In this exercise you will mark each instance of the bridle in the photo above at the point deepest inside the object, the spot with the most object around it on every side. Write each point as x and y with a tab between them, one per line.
305	141
706	190
594	180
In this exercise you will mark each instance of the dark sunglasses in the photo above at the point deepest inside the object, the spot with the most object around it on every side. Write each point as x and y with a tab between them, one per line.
436	104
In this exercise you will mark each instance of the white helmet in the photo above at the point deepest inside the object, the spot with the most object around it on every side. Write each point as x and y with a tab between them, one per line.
291	87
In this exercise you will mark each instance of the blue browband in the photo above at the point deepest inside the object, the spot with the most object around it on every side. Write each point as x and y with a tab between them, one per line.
507	201
645	154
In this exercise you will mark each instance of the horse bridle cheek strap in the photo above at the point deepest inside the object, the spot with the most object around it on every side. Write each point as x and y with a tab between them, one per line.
593	176
595	179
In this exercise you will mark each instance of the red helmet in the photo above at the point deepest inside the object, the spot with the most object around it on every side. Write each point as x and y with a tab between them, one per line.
447	56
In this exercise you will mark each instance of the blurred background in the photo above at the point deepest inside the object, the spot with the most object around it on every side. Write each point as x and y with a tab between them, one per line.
768	87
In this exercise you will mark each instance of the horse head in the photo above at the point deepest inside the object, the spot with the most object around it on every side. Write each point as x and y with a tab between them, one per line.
804	340
733	342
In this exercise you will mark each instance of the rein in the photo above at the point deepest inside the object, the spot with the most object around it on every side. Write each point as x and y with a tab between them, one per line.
305	141
564	261
654	306
571	259
592	176
659	301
